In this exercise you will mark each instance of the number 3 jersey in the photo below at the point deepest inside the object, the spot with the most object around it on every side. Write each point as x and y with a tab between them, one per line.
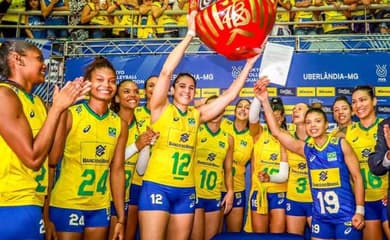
333	197
84	176
171	160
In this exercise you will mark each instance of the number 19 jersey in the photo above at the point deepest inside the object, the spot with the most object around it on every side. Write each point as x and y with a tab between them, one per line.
333	197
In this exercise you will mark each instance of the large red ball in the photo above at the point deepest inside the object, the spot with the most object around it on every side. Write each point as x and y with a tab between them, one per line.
234	28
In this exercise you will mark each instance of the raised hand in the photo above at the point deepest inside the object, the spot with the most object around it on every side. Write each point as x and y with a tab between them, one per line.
191	23
260	88
72	92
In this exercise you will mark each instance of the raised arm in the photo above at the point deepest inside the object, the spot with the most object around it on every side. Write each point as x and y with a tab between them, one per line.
255	127
377	159
214	108
292	144
159	99
353	166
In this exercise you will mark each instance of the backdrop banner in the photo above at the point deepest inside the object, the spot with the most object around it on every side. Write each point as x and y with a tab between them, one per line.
313	77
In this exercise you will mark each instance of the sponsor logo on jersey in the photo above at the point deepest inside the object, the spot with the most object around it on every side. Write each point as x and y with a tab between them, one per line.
323	175
184	137
366	152
211	156
100	150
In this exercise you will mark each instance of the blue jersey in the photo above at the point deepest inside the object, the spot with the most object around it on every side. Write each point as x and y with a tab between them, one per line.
333	197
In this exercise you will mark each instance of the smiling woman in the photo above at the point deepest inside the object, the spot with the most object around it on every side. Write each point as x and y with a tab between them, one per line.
26	135
170	170
91	142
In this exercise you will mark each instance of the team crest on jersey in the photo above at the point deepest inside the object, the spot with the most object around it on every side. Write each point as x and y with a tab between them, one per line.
100	150
175	119
191	121
111	132
87	128
355	139
203	140
243	143
221	144
140	123
184	137
366	152
211	156
32	114
266	141
331	156
273	157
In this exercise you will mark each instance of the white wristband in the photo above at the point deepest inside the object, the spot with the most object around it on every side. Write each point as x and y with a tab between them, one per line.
359	210
254	111
191	33
130	150
282	175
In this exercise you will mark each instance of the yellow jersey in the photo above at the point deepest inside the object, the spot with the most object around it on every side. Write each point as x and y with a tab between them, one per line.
171	160
210	154
243	146
298	185
20	185
363	142
84	181
266	153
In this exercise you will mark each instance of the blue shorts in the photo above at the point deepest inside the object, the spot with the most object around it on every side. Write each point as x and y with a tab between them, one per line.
301	209
135	191
160	197
275	201
239	199
113	211
21	222
375	210
334	230
209	205
73	220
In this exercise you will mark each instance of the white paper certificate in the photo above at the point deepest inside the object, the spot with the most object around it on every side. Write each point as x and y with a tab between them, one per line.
275	63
